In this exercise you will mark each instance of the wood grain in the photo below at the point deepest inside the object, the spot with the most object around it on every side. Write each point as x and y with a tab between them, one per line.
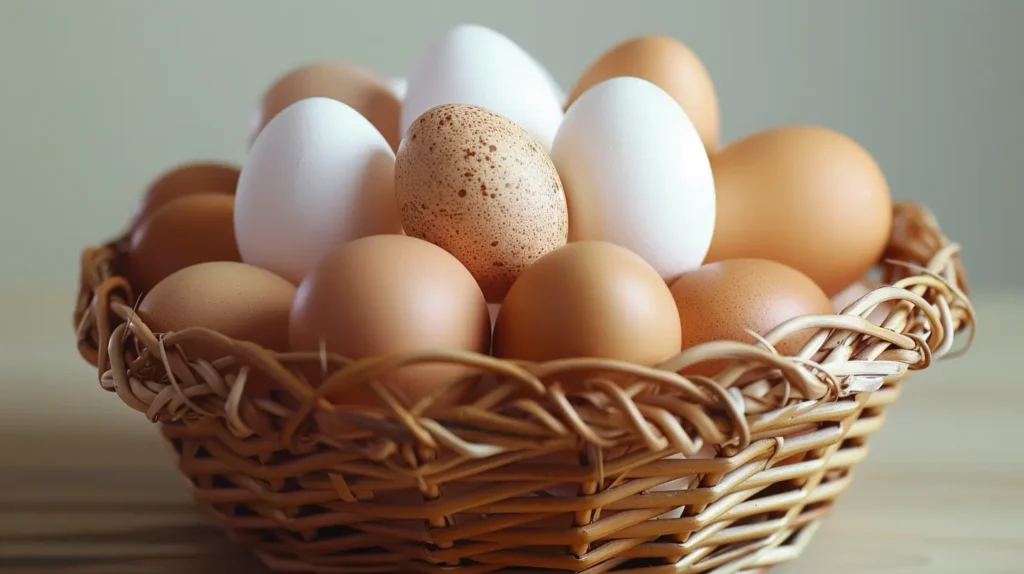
86	485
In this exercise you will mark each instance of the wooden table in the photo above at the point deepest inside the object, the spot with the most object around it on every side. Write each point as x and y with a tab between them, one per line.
86	486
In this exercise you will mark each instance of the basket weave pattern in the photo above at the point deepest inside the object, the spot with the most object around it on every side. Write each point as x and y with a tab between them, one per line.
666	474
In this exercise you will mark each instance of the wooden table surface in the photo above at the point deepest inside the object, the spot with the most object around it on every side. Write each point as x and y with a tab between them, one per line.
86	485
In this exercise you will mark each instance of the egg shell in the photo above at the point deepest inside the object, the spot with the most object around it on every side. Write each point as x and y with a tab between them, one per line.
388	294
366	93
187	179
472	64
636	174
317	176
189	230
480	187
588	299
806	196
720	301
237	300
670	65
398	87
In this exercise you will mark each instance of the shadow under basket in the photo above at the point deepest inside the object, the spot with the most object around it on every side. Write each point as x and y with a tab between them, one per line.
660	474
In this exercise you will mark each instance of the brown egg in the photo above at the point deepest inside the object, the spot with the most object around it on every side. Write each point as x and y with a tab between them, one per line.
361	90
386	294
588	299
482	188
187	179
720	301
237	300
188	230
671	66
805	196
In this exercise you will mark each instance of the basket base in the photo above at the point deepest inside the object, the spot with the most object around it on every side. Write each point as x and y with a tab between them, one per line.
763	561
261	505
244	510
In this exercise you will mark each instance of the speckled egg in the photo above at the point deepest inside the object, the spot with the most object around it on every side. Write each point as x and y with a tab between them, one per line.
482	188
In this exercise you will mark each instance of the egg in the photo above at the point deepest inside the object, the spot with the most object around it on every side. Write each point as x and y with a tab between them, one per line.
471	64
187	179
636	174
371	96
237	300
588	299
388	294
188	230
479	186
318	175
398	87
806	196
721	301
671	66
555	88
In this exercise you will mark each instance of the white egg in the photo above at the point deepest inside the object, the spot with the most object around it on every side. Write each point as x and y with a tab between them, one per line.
398	86
319	174
636	174
555	88
474	65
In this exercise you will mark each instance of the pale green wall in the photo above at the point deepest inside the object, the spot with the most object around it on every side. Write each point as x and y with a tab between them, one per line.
97	97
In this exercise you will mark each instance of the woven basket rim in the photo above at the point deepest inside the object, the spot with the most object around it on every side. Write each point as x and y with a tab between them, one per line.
927	286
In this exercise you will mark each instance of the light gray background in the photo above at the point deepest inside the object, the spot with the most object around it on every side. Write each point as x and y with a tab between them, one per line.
98	97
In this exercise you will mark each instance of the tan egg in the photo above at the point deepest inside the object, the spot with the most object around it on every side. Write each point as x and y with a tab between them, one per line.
188	230
237	300
721	301
386	294
589	299
668	64
482	188
187	179
361	90
805	196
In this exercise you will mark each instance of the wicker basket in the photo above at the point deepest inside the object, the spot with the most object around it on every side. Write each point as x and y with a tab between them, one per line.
670	474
